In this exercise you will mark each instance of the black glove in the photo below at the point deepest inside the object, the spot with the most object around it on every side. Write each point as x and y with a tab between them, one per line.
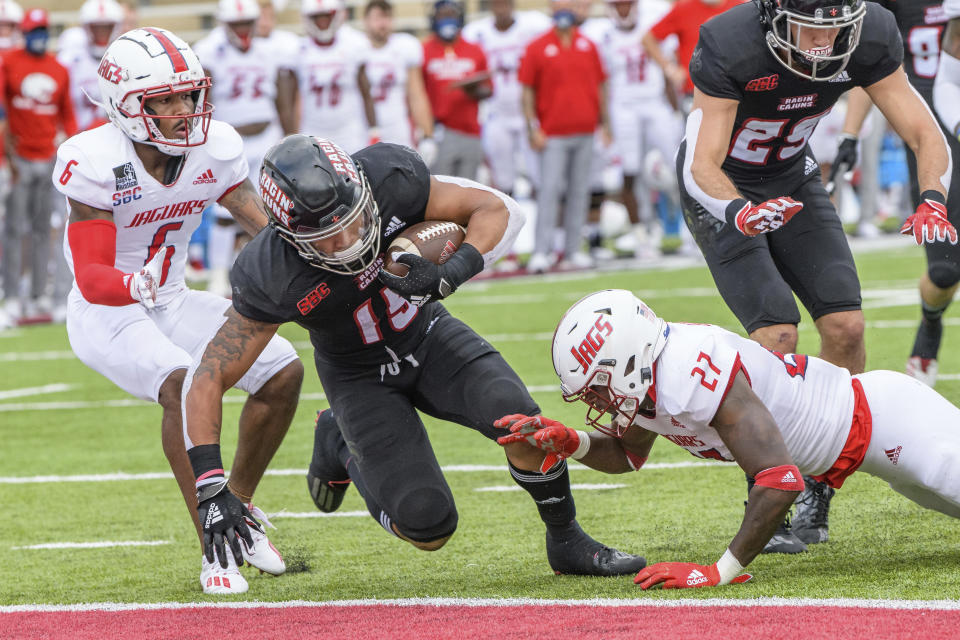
427	281
223	514
845	160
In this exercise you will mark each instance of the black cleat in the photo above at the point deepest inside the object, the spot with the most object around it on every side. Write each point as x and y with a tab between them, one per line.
327	478
573	552
813	509
784	540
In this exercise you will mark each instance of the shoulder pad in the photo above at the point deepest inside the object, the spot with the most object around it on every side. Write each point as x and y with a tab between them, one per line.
223	141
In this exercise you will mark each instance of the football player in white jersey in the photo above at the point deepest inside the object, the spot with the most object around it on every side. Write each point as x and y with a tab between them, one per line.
725	397
135	190
641	116
396	79
504	36
245	94
329	78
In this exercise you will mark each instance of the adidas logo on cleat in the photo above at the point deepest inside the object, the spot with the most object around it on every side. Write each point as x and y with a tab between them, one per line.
205	178
217	581
695	578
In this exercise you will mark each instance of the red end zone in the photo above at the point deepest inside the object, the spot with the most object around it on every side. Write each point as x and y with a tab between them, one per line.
581	620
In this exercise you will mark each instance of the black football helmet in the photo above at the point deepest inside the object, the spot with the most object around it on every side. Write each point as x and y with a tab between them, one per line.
785	21
313	190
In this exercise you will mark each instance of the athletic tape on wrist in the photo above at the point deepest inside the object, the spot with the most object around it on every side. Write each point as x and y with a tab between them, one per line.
786	477
583	447
728	567
207	464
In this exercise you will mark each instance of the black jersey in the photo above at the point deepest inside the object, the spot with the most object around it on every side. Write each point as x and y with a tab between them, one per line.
352	319
921	25
778	109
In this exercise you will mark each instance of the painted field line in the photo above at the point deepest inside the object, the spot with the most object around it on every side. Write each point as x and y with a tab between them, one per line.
935	605
94	545
35	391
121	476
578	487
318	514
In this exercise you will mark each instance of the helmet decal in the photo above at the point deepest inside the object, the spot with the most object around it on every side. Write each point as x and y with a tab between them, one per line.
176	58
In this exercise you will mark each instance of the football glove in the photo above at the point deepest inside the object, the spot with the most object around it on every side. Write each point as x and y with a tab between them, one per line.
930	224
144	285
844	162
754	219
427	281
557	440
682	575
223	516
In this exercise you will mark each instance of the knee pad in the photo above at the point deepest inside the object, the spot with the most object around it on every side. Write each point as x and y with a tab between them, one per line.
943	273
426	514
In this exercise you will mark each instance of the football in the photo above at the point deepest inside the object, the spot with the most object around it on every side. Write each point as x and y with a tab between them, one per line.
435	240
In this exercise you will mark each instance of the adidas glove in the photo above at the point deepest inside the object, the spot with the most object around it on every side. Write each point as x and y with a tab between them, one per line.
929	224
683	575
223	516
754	219
426	281
144	285
558	441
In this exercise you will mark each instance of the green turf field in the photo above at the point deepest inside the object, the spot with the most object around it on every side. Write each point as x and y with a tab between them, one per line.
882	546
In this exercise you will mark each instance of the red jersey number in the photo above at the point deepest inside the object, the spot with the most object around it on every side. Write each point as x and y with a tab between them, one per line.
159	238
709	374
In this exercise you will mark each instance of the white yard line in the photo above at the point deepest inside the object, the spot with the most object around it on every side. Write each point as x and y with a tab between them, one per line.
93	545
857	603
578	487
317	514
35	391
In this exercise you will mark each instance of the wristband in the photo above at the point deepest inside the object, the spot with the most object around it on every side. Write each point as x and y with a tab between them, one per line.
583	447
934	196
786	477
728	567
206	463
734	207
465	263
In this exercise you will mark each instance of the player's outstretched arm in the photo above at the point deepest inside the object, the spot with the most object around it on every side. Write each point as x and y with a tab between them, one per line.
246	207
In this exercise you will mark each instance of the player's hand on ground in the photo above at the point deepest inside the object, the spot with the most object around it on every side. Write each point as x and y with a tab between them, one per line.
754	219
223	517
682	575
144	285
930	224
555	439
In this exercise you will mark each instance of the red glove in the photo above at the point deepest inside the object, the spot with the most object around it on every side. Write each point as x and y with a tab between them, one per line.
753	219
559	441
682	575
930	224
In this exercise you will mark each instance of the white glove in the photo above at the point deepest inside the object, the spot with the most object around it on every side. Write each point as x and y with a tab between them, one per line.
144	285
427	150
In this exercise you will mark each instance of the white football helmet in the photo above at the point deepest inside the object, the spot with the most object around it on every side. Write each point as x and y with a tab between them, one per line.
603	351
151	63
100	12
232	11
11	14
623	22
311	8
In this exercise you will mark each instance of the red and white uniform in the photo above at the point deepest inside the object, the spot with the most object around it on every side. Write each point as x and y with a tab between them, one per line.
640	116
135	348
82	68
445	64
387	69
332	106
504	133
882	422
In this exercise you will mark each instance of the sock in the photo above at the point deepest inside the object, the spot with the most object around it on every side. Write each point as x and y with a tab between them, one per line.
927	342
551	492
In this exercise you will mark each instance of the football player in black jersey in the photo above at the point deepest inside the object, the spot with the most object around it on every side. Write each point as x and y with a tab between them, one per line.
384	347
765	73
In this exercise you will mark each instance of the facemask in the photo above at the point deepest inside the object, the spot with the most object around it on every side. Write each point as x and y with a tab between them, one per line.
564	18
36	41
447	28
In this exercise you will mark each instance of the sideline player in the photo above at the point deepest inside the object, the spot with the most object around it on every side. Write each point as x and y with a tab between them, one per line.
135	189
745	170
725	397
383	348
329	78
396	80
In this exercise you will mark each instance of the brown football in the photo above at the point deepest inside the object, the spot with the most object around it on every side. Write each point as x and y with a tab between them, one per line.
435	240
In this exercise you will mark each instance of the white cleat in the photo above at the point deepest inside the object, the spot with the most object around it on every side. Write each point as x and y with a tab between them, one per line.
218	581
923	369
262	555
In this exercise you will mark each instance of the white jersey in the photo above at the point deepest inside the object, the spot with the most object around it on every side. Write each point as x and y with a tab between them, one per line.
810	399
504	50
82	68
284	46
103	171
387	69
327	78
244	87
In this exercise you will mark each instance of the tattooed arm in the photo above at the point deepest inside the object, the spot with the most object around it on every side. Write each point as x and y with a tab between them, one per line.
246	207
232	351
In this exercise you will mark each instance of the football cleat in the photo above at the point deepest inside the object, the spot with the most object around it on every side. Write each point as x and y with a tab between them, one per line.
262	554
217	581
327	477
813	508
923	369
784	540
573	552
